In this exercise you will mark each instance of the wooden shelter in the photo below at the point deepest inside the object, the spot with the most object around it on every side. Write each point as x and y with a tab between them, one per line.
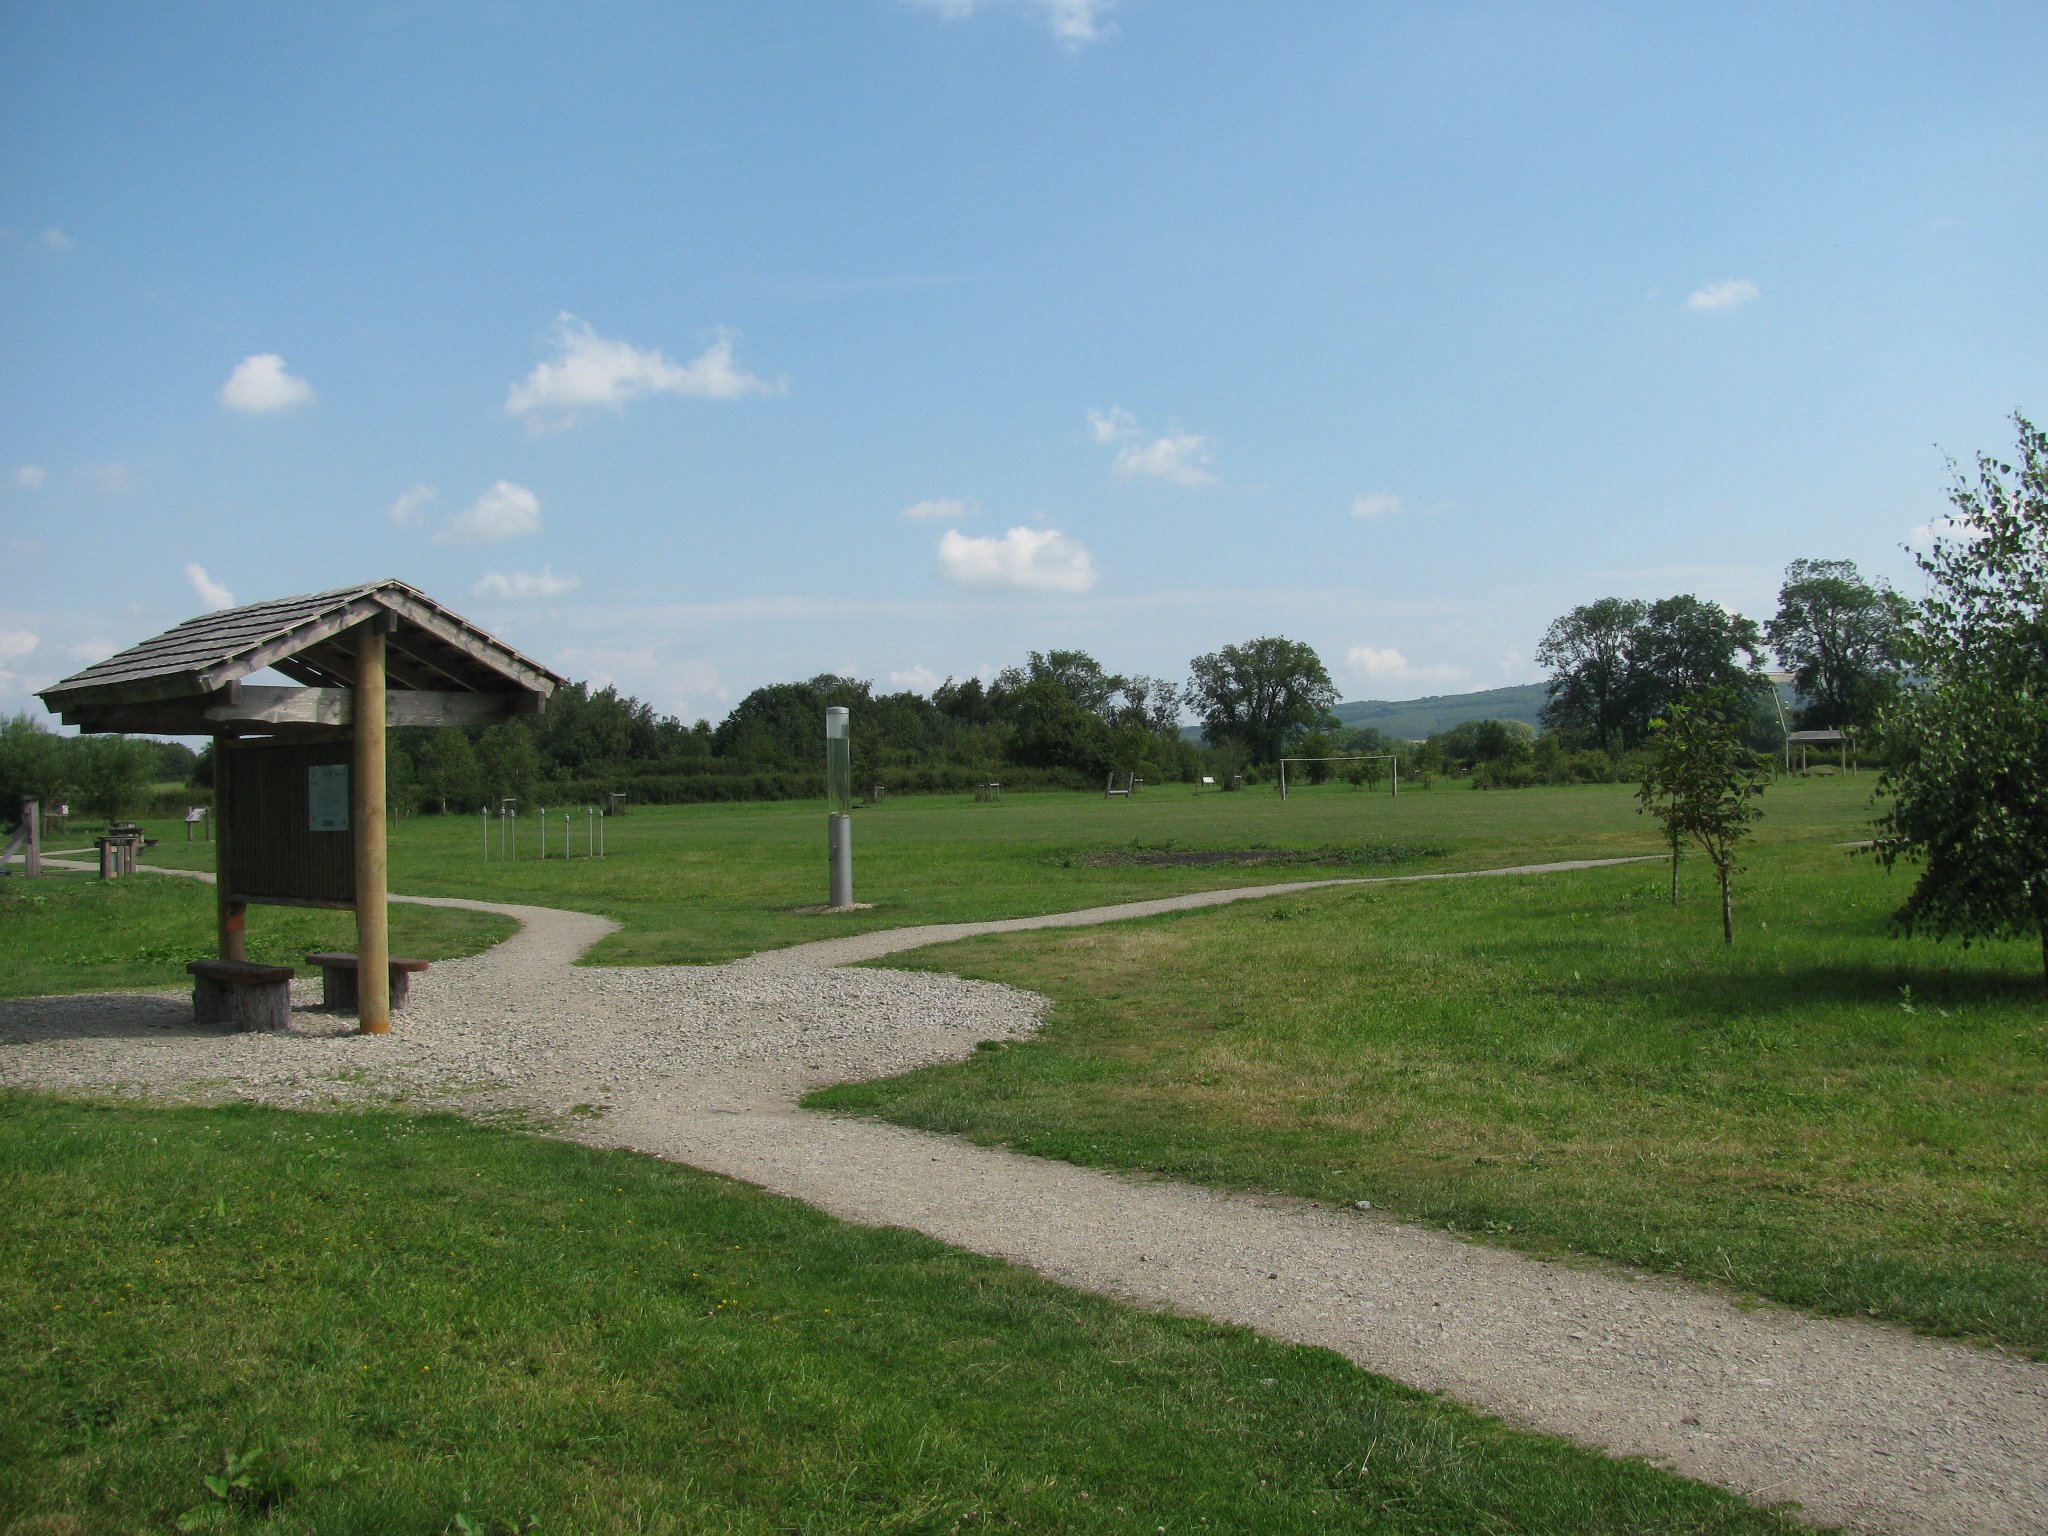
299	771
1803	742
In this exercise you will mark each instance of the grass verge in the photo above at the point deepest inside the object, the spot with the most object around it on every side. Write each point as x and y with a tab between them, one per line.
1821	1114
374	1322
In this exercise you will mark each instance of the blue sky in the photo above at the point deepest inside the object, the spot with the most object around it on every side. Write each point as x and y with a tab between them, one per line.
693	347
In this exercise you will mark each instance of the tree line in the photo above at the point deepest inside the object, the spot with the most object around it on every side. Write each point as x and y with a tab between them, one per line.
1060	718
1618	664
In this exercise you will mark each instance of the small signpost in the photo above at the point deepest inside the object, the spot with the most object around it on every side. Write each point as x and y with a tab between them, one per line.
839	806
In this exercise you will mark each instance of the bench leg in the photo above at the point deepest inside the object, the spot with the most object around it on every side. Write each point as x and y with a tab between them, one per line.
267	1005
338	988
401	987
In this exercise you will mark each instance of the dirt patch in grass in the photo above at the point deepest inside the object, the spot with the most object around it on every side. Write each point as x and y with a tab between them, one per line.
1170	856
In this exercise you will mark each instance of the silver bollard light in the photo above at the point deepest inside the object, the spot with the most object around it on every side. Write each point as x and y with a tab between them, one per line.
839	804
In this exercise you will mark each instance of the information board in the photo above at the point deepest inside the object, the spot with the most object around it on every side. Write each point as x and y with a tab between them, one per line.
283	814
327	797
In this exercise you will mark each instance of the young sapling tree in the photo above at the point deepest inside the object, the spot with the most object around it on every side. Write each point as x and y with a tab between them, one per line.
1702	784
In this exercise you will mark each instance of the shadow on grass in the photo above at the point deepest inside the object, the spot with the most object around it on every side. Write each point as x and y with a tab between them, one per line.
1905	988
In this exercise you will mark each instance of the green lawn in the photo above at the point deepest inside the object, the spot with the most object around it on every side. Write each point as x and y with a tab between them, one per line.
426	1326
705	883
70	932
1822	1114
697	884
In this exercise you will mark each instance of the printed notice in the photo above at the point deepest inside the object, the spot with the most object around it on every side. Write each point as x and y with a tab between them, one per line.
327	797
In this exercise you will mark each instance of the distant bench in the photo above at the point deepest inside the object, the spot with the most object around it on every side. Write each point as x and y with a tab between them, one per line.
241	994
338	991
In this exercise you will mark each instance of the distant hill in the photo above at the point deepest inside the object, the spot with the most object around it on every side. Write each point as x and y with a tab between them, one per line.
1413	719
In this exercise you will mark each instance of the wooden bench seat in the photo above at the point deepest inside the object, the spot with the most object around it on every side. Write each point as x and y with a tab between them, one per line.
338	991
241	994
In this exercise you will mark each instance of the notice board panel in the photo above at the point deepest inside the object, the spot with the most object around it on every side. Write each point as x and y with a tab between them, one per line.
286	822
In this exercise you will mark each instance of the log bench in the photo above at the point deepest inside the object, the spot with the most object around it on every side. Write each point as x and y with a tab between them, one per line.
241	994
338	992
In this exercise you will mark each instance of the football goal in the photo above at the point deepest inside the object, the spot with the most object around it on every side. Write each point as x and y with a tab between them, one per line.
1369	757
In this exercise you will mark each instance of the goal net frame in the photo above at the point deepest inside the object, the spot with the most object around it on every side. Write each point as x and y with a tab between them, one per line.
1357	757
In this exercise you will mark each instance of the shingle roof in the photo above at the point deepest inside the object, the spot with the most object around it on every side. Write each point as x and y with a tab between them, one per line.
431	647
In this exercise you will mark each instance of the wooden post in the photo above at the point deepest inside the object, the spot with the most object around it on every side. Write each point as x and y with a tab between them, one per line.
32	819
229	915
366	818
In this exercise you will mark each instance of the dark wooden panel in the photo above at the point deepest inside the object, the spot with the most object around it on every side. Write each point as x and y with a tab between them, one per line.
273	854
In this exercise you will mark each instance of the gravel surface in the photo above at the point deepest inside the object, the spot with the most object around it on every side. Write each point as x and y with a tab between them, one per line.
1860	1424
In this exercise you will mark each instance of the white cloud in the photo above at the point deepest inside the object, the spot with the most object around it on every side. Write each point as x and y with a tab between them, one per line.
1022	560
918	679
1179	458
514	584
410	509
209	591
30	477
1952	530
1372	504
259	385
1729	293
505	511
1072	22
14	644
685	688
1112	425
1378	666
589	370
54	239
942	509
1077	21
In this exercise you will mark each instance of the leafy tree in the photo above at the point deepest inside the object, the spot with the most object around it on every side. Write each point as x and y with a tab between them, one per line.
31	763
965	703
1843	640
1075	674
1471	742
111	772
1689	646
1317	743
509	763
1701	783
1591	656
1617	664
1968	784
448	769
1259	693
1053	730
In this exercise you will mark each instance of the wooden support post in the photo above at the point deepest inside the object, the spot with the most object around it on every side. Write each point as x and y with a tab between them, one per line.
366	818
32	820
229	915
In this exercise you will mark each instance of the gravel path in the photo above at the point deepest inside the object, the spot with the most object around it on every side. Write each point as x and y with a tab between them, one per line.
1861	1424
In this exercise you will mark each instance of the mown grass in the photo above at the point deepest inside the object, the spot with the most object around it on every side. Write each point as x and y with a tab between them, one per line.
702	884
1821	1114
707	883
419	1320
67	932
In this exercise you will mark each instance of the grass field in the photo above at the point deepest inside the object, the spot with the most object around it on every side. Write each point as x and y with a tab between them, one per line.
1821	1114
414	1320
69	932
700	884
